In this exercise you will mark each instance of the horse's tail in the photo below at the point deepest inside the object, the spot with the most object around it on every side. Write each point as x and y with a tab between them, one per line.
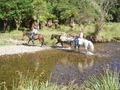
91	46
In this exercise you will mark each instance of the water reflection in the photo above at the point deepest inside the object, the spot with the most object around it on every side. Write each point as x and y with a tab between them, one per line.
66	72
85	65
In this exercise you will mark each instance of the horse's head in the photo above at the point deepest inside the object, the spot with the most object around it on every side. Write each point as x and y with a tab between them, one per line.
52	36
26	33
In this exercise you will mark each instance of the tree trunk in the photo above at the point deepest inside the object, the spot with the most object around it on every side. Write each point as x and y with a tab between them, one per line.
72	23
38	24
50	23
4	25
99	26
17	23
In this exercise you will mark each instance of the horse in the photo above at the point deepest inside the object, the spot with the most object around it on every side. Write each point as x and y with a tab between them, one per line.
39	37
68	40
88	45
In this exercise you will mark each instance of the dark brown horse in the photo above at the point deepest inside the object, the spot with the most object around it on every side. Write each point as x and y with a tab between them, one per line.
37	37
57	37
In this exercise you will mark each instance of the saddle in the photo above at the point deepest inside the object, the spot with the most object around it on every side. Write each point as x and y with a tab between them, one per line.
35	36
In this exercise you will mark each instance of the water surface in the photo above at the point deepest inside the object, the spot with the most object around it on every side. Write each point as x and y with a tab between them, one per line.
60	66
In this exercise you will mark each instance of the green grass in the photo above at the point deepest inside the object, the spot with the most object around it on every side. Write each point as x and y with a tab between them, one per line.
107	81
109	30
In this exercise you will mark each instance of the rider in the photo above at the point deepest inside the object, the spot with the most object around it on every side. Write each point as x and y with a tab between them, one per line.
80	37
78	40
34	30
81	34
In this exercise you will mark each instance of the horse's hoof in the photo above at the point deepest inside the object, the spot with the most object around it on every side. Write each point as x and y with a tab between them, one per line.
90	53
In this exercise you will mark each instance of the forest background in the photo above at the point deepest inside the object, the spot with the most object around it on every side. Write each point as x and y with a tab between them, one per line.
19	14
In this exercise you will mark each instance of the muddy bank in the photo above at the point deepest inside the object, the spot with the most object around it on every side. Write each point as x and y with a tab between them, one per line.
102	40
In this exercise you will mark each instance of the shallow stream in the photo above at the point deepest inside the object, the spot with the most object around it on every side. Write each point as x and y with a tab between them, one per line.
60	66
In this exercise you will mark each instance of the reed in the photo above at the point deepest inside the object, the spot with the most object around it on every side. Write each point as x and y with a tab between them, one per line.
107	81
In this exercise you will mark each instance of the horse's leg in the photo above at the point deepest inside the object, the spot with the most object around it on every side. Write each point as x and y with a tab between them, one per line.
29	41
70	45
76	45
62	44
42	43
33	42
78	48
86	46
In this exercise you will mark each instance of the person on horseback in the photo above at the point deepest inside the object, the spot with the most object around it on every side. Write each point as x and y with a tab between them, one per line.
81	34
79	38
34	30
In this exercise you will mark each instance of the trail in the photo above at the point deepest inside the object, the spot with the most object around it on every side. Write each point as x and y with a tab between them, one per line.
16	49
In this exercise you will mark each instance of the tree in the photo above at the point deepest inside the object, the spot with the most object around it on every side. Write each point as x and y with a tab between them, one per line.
39	9
102	7
4	13
105	6
21	10
87	13
66	12
14	10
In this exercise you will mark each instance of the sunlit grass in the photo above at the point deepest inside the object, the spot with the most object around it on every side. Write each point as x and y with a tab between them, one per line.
107	81
110	30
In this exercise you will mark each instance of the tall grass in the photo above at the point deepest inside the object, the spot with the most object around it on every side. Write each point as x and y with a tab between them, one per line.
32	83
107	81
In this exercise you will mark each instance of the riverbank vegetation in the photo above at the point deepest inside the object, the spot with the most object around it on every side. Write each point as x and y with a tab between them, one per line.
109	31
107	81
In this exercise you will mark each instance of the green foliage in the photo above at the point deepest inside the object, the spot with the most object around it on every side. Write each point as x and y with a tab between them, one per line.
82	11
109	81
38	8
14	9
65	9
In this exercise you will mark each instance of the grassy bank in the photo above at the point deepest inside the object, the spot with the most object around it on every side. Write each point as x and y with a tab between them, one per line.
109	30
107	81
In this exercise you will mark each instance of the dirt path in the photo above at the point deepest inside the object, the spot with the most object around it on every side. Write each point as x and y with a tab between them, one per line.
15	49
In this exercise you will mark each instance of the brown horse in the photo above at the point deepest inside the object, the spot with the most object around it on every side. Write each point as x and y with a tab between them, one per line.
37	37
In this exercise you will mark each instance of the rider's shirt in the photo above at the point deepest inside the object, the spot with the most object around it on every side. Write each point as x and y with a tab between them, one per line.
35	31
81	35
80	38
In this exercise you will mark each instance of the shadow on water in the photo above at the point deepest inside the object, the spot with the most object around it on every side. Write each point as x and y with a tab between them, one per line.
60	66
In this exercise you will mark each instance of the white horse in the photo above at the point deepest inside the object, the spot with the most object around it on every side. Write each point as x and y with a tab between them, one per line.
88	45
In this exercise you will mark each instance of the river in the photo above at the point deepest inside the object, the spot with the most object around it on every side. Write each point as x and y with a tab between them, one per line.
60	66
